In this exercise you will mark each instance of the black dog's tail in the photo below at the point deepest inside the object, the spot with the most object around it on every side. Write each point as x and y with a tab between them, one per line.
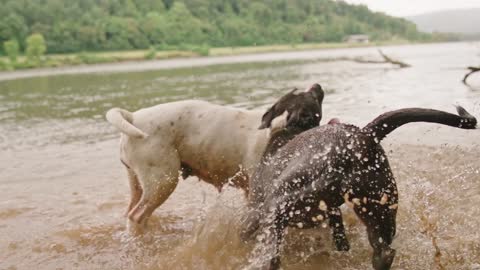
381	126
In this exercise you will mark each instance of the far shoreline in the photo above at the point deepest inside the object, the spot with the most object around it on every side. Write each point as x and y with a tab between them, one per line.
217	56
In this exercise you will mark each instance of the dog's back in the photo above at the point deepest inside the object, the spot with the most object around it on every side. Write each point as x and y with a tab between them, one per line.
203	135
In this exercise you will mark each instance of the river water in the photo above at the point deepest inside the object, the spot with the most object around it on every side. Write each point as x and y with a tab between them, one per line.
63	191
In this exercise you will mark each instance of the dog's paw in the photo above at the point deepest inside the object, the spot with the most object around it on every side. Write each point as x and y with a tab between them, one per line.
135	229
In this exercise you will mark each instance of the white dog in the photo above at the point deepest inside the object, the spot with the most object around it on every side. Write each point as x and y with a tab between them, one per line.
218	144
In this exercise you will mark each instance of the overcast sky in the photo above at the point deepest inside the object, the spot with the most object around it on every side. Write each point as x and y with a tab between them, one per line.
414	7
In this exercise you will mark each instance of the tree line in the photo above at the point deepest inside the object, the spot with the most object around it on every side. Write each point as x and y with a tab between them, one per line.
99	25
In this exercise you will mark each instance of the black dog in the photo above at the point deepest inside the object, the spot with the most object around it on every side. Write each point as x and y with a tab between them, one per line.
306	180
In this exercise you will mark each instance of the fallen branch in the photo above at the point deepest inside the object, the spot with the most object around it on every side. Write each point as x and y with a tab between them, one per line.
364	61
393	61
472	70
386	60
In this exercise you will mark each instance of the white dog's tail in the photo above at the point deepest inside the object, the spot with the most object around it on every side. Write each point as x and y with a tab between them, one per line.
122	119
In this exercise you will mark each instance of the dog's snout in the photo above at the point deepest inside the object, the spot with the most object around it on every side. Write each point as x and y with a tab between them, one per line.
314	87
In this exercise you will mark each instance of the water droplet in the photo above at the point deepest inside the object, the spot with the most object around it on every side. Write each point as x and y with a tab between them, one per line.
322	206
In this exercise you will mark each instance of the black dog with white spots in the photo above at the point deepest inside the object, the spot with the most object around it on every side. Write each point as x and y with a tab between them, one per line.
303	181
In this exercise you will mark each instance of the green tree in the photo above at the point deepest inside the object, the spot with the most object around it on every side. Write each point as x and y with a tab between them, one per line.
35	47
261	13
146	6
154	27
182	27
75	26
13	26
12	49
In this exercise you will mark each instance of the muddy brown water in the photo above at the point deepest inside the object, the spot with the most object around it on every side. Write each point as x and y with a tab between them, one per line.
63	191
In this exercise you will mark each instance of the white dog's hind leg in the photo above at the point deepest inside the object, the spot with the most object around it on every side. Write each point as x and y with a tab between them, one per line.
157	186
135	190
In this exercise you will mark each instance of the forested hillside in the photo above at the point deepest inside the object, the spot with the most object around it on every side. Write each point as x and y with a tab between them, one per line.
94	25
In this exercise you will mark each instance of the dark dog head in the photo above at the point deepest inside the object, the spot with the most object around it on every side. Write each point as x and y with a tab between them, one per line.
304	109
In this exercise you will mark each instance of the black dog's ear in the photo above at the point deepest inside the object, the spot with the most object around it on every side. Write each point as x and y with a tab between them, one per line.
318	92
293	118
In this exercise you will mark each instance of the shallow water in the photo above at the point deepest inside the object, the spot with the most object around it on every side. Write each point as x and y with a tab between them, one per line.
64	192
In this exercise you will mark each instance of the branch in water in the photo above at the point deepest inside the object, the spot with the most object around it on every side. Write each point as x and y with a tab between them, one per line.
472	70
393	61
386	60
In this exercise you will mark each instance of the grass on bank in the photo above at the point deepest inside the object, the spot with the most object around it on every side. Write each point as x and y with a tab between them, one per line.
164	52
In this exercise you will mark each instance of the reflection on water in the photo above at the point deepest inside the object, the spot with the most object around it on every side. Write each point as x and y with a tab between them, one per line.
89	96
64	191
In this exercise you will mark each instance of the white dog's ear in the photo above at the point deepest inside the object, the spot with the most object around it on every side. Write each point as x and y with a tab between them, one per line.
267	118
278	108
293	118
280	122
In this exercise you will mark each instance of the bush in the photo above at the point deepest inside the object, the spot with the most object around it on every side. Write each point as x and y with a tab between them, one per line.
203	50
166	47
35	47
84	58
51	62
11	49
26	64
4	65
151	54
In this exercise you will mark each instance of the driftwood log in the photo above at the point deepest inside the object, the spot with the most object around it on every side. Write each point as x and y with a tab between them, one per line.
393	61
472	70
386	60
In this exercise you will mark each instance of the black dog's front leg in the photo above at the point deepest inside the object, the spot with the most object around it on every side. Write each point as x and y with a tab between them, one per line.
272	229
381	226
250	224
277	230
338	230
